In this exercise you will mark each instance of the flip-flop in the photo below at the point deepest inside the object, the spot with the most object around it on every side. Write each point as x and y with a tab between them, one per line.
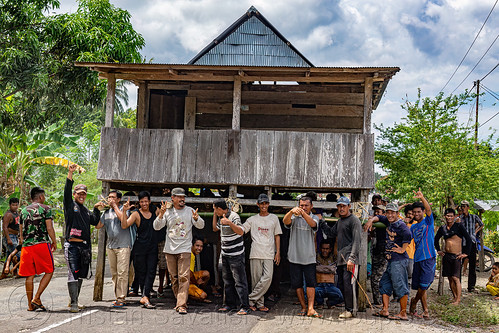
379	314
263	309
242	312
224	309
118	304
37	306
302	313
148	305
207	301
252	308
181	310
315	315
415	314
397	317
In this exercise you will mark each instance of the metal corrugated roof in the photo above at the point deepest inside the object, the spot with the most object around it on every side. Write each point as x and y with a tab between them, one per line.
251	41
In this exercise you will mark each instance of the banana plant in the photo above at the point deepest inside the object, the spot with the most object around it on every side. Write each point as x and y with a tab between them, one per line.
20	152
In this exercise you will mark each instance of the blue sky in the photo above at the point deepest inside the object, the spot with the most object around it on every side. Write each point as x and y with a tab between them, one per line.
426	39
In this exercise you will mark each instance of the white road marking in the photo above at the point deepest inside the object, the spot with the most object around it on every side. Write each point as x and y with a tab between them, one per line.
65	321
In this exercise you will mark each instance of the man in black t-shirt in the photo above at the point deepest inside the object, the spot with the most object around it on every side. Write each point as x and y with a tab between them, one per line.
77	249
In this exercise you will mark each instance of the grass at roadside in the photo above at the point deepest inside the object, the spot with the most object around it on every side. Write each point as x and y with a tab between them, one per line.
475	310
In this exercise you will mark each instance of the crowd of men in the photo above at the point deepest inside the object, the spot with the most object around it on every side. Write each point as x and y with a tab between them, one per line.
323	256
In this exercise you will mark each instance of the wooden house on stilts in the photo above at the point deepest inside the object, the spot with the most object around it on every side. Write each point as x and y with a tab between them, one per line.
248	114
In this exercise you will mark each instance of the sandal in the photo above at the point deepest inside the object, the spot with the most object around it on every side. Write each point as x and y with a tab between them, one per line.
263	309
302	313
315	315
148	305
224	309
182	310
380	314
242	312
38	306
252	308
118	304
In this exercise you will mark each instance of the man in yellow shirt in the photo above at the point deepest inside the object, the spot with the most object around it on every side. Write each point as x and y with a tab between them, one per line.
199	278
409	221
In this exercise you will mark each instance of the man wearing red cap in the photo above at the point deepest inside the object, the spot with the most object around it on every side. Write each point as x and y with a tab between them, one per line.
77	247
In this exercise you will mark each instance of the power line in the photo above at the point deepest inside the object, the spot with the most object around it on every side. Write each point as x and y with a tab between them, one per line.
476	64
493	69
489	119
493	94
470	46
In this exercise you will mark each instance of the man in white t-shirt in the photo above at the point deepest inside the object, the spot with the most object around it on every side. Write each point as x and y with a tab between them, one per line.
265	230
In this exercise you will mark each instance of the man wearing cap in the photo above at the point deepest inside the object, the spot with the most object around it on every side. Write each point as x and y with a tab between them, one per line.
179	220
473	224
301	253
77	247
378	257
347	231
265	250
394	279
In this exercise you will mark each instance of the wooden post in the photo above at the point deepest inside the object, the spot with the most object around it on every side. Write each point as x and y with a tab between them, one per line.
441	280
141	105
368	104
236	104
481	254
362	302
110	99
190	113
233	191
101	255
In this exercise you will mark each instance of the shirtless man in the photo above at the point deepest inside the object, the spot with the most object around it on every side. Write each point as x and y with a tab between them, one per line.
453	234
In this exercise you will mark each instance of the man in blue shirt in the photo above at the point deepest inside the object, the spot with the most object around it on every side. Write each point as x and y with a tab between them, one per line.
423	233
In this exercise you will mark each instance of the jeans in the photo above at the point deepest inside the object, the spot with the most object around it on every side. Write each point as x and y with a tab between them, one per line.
329	291
78	256
235	282
395	279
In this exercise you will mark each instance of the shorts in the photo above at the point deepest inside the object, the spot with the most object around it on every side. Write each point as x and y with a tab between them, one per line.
299	272
451	266
36	259
395	279
161	256
423	274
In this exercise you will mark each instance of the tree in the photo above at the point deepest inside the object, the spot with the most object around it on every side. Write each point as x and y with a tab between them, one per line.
39	83
432	151
21	152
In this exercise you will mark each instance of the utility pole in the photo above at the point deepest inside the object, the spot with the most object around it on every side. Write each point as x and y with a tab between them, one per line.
477	82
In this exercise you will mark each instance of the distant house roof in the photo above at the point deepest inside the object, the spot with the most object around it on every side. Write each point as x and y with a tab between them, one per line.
251	41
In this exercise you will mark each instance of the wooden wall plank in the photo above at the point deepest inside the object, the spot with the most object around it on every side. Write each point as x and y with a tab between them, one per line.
188	160
160	141
313	160
190	113
233	164
203	156
106	153
279	164
329	160
218	158
145	153
174	156
295	169
130	169
247	156
264	156
268	97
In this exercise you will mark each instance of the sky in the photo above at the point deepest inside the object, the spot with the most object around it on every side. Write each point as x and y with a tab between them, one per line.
426	39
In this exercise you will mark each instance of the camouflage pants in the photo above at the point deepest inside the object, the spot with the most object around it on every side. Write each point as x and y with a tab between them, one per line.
378	267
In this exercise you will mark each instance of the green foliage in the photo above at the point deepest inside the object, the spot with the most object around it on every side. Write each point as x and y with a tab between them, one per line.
39	83
127	119
490	220
432	151
491	239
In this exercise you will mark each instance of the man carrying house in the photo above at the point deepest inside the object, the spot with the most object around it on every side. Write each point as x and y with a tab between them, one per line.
119	246
325	271
10	223
423	233
77	247
265	250
473	224
179	220
453	234
233	269
301	253
38	240
394	279
348	232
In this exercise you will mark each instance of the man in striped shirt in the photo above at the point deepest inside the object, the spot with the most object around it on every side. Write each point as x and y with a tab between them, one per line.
233	267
